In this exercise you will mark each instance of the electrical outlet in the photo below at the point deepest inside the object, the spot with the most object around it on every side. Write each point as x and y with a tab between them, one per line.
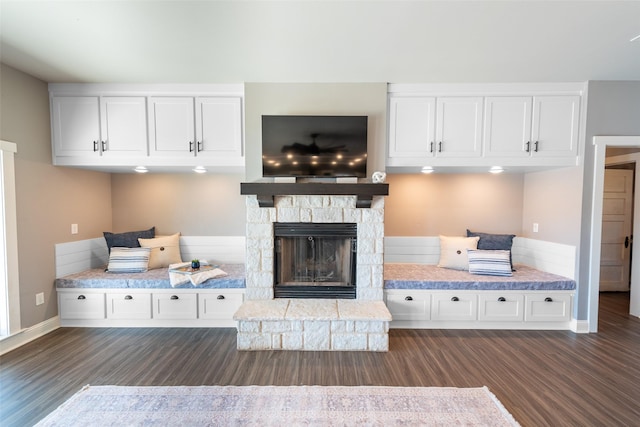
40	298
74	228
535	227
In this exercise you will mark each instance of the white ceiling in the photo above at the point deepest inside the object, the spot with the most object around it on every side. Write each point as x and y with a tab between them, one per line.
321	41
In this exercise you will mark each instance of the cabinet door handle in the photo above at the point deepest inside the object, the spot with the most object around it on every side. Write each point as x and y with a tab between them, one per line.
455	299
199	146
548	299
191	146
174	297
81	297
535	146
528	147
440	147
104	145
95	146
502	299
408	298
431	147
220	297
128	297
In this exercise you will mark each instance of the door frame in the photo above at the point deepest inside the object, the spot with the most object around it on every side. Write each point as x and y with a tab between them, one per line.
601	143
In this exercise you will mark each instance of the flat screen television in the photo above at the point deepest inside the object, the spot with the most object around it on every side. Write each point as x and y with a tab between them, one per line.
314	146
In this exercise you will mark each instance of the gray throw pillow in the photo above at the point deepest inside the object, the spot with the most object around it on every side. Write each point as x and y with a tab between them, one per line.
493	242
128	239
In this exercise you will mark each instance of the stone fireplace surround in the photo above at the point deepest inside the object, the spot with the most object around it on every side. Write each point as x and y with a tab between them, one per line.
265	323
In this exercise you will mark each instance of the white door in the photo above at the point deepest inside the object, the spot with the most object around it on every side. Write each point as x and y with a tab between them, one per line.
412	127
507	126
76	126
172	126
458	127
219	127
616	230
124	126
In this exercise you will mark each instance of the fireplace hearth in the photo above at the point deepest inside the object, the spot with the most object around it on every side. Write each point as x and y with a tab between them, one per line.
315	260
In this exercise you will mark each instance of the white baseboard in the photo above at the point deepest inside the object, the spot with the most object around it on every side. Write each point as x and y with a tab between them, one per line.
26	335
580	326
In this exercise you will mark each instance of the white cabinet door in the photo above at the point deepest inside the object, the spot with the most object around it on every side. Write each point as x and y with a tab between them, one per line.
175	306
458	127
412	126
124	126
76	126
500	307
409	305
454	306
172	126
219	306
541	307
218	127
128	306
555	126
81	305
507	126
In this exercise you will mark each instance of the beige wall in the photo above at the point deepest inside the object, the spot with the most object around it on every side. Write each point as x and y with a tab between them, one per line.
49	199
553	200
448	204
315	98
192	204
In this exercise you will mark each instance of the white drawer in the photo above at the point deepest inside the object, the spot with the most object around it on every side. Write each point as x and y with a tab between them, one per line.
219	306
501	307
129	306
544	307
454	306
409	305
81	305
175	306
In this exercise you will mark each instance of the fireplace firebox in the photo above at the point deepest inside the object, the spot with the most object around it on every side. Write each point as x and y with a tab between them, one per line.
315	260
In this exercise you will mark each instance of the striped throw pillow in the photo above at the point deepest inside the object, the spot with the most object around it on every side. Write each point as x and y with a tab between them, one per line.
489	263
128	260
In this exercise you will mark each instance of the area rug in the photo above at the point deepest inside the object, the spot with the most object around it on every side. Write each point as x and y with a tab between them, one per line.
277	406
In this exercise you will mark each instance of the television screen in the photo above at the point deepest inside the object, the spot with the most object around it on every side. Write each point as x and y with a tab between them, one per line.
314	146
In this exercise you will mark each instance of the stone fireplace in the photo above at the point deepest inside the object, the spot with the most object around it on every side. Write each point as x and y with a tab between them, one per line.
355	317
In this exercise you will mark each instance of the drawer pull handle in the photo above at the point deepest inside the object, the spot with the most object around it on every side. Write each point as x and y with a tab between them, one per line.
455	299
220	297
81	297
548	299
174	297
128	297
408	298
502	299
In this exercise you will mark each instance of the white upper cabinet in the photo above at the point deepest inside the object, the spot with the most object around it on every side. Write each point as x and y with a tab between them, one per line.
89	127
507	126
458	127
123	125
172	126
219	127
412	126
537	127
165	128
555	126
76	125
472	127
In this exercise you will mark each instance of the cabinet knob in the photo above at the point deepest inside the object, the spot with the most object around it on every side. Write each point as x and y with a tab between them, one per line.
502	299
455	299
220	297
174	297
128	297
199	146
408	298
440	147
104	145
81	297
191	146
95	146
431	147
548	299
535	147
528	147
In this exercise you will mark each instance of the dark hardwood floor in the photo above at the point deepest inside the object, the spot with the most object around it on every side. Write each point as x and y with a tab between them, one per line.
544	378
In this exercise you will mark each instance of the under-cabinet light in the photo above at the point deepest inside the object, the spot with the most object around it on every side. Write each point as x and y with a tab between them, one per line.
200	169
496	169
426	169
141	169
